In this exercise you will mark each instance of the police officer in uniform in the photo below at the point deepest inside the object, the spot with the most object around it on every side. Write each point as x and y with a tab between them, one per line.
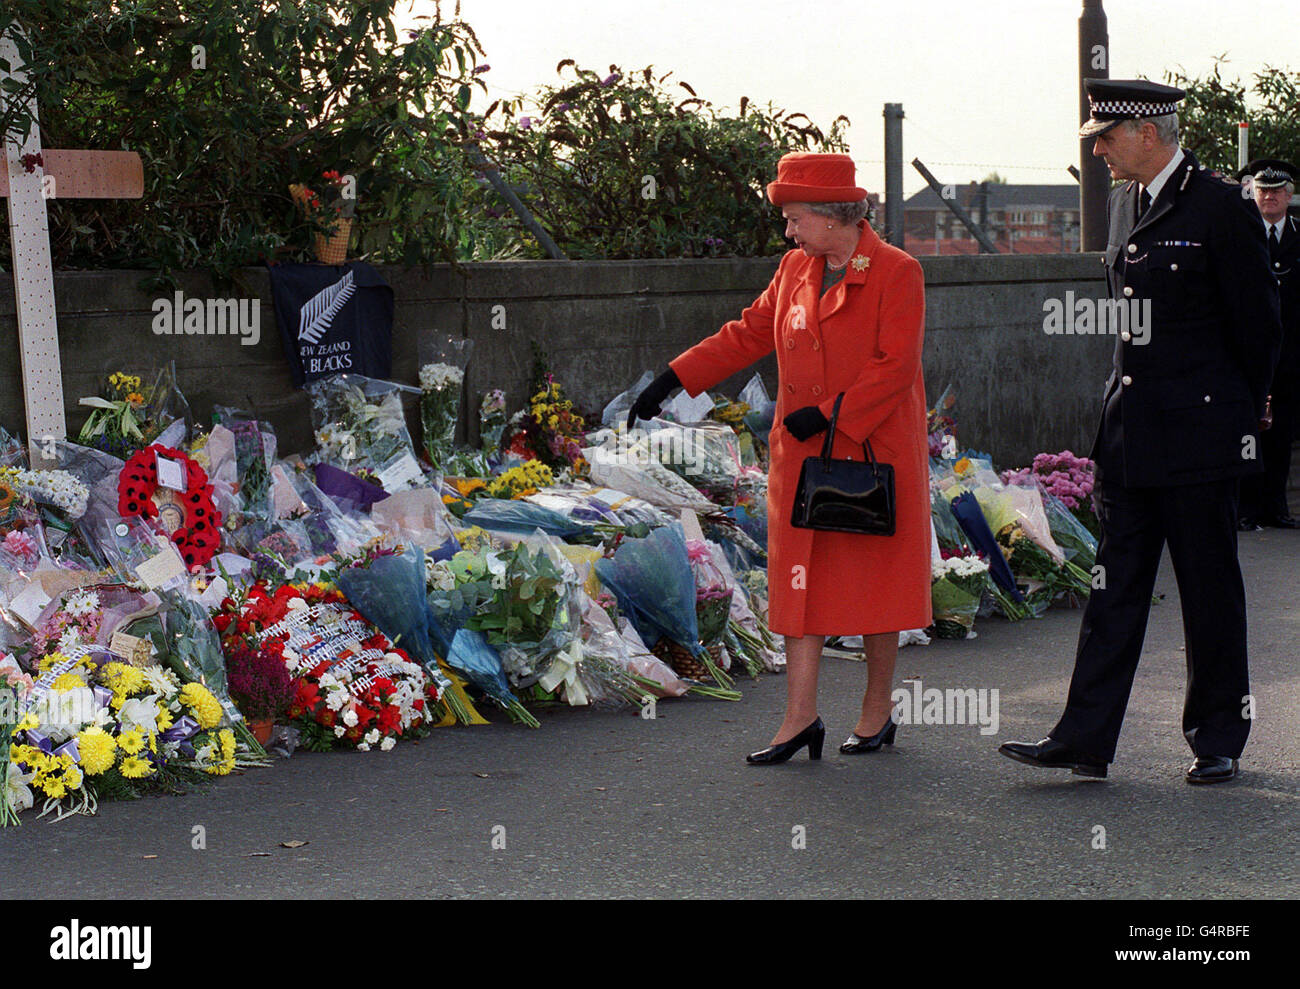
1263	496
1179	428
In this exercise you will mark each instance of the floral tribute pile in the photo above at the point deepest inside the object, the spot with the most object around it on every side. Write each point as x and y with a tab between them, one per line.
381	585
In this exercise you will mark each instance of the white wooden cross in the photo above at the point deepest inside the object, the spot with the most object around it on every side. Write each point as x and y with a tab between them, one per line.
27	184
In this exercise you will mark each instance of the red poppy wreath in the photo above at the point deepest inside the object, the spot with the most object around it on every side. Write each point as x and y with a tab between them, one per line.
198	535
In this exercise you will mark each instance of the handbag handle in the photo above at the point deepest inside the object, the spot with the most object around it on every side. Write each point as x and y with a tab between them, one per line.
830	437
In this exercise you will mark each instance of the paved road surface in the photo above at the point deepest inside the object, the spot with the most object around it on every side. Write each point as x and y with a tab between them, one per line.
609	804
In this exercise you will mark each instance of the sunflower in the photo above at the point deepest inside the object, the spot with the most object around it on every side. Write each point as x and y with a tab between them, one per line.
7	493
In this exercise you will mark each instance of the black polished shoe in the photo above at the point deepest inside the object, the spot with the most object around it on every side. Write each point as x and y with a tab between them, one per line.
1248	524
1051	754
855	744
813	736
1280	522
1212	769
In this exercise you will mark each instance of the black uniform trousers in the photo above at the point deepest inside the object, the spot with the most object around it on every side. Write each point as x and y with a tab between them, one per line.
1199	524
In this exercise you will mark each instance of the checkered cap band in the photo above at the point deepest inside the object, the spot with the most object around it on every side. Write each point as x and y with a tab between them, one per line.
1272	175
1130	108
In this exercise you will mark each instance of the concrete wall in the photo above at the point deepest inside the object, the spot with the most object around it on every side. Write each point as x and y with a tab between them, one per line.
1019	390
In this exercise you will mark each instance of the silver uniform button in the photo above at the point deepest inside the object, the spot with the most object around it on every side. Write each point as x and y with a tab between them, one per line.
1207	398
1128	289
1132	248
1277	264
1174	266
1126	336
1126	380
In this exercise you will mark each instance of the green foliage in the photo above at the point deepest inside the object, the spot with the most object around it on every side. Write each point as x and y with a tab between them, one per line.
1209	115
621	167
229	101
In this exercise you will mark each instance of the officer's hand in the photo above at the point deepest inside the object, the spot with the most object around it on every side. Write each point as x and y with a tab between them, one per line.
805	423
647	404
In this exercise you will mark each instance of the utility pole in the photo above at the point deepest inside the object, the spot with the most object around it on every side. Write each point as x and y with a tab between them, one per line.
894	174
1094	183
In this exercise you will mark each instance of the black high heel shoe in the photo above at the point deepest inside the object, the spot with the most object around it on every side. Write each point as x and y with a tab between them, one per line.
813	736
855	744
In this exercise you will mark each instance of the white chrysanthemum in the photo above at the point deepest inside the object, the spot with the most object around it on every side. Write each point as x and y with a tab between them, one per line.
437	377
372	736
82	603
387	744
338	731
363	747
350	718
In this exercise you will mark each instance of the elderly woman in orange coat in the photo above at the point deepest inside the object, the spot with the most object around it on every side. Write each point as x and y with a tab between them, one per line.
845	312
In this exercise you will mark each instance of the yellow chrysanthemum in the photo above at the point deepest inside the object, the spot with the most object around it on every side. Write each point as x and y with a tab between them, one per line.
131	741
204	707
68	681
165	718
72	778
122	679
98	750
134	768
27	722
51	661
51	786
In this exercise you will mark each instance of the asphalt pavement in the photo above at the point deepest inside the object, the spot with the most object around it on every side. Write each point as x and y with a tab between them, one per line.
610	804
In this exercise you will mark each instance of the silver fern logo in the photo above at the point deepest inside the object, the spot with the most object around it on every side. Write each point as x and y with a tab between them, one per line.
317	314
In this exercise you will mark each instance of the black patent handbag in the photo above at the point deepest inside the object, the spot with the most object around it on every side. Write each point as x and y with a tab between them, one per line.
844	495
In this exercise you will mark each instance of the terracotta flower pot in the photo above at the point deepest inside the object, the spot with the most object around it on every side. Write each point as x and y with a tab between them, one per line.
261	729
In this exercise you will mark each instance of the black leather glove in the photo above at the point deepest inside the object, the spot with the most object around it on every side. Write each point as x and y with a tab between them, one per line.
805	423
648	403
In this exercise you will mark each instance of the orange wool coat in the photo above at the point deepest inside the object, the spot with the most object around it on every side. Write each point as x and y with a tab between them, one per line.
862	338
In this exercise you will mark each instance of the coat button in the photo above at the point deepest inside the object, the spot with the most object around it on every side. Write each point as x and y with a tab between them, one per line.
789	342
1207	398
790	388
1277	264
1126	380
1126	336
1128	289
1174	266
1132	248
817	389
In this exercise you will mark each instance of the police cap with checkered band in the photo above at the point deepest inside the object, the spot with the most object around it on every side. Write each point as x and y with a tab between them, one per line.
1112	101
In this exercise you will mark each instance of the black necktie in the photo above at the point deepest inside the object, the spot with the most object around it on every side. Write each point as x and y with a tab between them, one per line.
1144	203
1272	240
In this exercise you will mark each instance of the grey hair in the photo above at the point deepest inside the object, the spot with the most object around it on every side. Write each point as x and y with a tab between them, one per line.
846	213
1166	127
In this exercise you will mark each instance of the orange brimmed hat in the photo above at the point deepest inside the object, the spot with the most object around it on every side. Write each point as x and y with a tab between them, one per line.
805	177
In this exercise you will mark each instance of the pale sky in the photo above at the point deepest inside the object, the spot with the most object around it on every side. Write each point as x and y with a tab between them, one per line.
984	85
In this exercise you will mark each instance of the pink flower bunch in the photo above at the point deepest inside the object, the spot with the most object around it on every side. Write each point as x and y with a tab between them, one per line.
20	545
1064	475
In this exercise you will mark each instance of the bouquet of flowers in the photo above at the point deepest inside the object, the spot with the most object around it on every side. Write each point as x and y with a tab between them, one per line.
130	413
96	728
57	488
361	429
551	429
389	589
442	376
1068	478
655	587
712	603
957	584
530	614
